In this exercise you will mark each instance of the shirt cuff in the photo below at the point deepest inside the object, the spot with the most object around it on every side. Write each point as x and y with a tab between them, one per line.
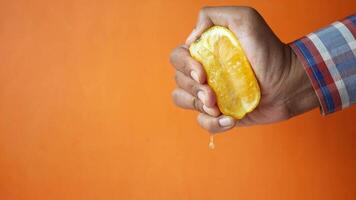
329	59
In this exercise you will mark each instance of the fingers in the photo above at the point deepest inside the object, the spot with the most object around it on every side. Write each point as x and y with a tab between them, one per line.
203	92
183	62
190	76
185	100
216	124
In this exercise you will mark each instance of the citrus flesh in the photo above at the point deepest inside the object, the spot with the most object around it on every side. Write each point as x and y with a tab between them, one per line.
228	70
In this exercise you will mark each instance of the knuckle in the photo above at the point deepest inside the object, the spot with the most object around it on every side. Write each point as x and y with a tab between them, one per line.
175	96
208	91
173	56
205	88
204	9
194	88
250	12
179	79
197	104
176	77
249	9
187	68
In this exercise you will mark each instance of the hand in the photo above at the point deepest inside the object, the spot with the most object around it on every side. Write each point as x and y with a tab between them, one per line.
286	90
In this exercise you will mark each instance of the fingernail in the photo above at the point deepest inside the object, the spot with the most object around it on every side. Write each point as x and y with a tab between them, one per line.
226	121
194	75
201	96
210	111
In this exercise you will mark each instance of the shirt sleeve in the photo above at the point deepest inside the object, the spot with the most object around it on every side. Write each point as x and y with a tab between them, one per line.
329	59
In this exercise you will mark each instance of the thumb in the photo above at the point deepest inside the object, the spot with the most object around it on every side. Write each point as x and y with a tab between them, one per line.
222	16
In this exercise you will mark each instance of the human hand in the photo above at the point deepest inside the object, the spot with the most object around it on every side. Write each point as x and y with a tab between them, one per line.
286	90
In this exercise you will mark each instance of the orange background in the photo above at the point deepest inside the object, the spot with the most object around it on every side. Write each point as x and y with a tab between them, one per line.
86	111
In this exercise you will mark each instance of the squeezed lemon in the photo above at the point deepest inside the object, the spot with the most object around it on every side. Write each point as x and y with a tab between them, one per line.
228	70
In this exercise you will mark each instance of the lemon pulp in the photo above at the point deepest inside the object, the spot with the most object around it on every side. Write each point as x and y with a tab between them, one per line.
229	72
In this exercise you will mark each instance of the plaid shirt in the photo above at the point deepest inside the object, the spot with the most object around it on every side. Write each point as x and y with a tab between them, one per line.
329	58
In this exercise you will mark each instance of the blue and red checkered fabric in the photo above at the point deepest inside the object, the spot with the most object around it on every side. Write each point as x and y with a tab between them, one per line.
329	58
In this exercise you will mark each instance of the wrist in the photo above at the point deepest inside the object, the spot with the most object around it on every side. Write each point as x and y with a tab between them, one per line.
300	96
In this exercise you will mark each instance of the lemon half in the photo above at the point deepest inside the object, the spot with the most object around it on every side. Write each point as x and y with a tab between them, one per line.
229	72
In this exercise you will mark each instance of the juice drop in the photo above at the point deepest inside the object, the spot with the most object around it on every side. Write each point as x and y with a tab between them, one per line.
211	142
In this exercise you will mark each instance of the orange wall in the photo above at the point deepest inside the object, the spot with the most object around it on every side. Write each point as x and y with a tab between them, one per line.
86	112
